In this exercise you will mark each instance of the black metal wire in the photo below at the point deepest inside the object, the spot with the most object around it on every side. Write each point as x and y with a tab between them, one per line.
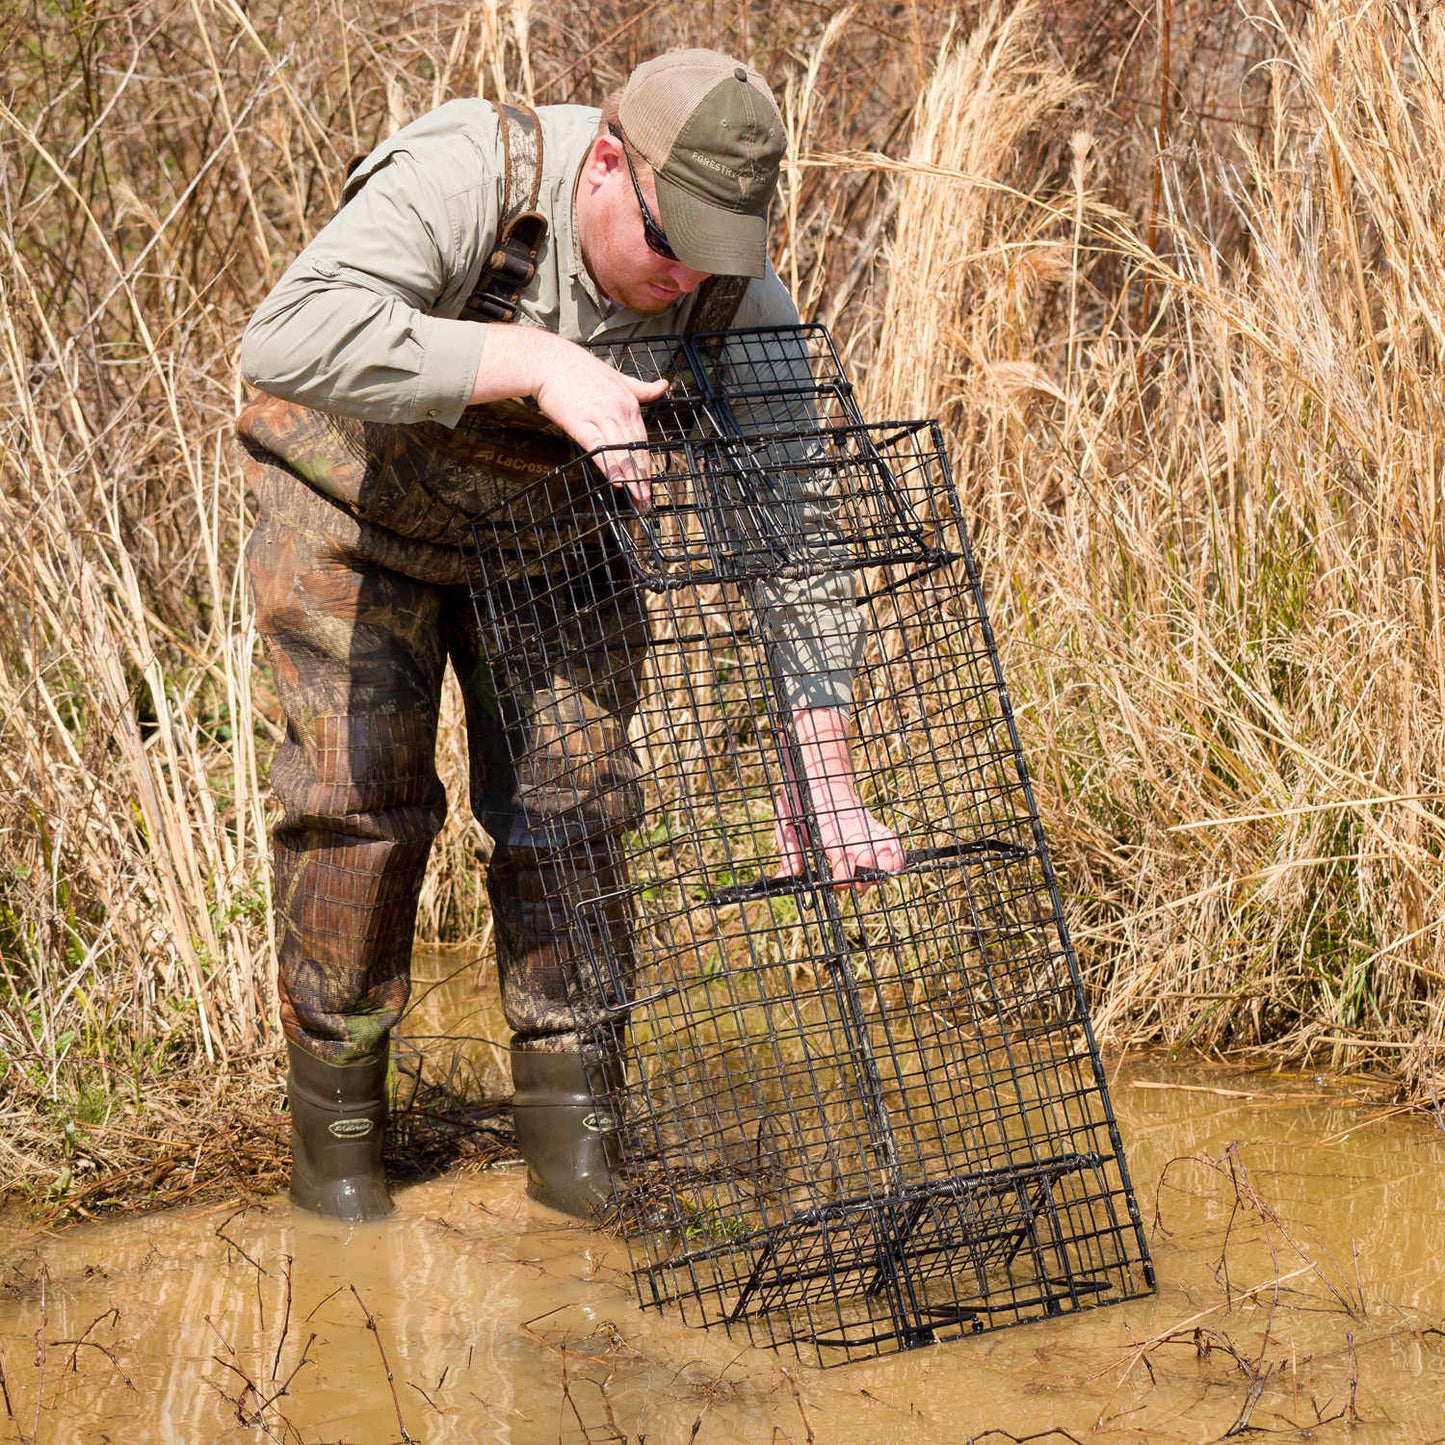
854	1120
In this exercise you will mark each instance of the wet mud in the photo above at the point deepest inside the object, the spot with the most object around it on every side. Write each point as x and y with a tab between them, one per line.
1297	1236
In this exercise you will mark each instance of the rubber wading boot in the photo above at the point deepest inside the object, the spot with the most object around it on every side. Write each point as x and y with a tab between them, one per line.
338	1118
566	1129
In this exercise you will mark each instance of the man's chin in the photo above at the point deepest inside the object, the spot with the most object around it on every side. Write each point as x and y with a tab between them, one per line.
649	302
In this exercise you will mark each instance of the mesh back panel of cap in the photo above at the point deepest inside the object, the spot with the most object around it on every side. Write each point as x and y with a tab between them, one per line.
663	93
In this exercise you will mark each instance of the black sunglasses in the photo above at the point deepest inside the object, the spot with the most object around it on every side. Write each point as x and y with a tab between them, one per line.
652	233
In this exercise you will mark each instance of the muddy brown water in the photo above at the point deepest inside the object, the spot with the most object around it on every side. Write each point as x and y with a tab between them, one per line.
1298	1239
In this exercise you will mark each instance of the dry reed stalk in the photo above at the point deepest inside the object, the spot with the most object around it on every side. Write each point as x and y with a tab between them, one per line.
1218	542
955	206
798	102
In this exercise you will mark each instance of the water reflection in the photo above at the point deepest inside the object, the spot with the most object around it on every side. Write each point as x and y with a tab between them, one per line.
1296	1239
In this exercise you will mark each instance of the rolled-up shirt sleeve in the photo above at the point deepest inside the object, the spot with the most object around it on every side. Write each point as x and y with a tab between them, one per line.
350	329
812	622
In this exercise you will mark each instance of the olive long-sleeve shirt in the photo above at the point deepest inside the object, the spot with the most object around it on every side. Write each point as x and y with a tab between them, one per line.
366	321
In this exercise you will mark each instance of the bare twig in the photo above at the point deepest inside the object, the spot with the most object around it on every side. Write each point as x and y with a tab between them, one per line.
385	1364
285	1386
1256	1389
41	1354
310	1314
1352	1414
1054	1434
114	1316
5	1387
285	1320
798	1401
413	1385
220	1232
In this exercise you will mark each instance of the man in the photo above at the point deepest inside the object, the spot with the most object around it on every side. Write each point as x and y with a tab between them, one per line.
393	414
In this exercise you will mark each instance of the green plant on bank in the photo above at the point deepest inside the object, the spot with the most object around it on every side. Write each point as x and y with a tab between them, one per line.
1181	326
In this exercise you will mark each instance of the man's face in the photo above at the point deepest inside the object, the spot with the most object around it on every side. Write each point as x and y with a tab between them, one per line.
610	228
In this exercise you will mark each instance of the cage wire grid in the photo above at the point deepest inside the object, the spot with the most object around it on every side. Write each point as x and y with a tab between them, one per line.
848	1119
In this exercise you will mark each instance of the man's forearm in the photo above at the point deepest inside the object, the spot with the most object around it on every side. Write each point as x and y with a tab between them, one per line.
515	361
822	734
594	403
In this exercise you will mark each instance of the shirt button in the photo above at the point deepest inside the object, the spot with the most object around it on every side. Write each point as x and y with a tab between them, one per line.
431	411
327	268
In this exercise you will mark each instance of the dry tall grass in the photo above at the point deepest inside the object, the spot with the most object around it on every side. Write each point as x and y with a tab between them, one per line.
1175	288
1209	499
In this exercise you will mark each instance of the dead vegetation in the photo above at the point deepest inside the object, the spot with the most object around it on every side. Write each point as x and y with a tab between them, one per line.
1173	282
1244	1345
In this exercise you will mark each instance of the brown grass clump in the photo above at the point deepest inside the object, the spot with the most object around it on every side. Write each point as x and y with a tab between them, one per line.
1221	539
1205	475
1174	287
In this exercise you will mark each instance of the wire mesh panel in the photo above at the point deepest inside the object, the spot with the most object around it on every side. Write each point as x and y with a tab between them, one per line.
753	381
856	1113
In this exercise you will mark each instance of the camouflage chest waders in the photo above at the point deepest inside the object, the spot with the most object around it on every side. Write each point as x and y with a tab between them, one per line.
361	599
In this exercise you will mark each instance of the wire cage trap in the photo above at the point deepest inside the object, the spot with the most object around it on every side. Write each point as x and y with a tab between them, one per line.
848	1119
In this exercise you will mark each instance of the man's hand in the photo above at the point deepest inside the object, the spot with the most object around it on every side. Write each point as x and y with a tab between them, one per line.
595	404
851	836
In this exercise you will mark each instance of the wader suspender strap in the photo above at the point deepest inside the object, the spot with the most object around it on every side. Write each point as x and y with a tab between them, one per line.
718	299
513	261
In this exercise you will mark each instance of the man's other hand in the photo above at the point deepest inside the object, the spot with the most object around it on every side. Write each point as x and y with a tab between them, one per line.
850	835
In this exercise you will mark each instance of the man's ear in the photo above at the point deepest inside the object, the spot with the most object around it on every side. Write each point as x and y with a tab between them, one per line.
604	159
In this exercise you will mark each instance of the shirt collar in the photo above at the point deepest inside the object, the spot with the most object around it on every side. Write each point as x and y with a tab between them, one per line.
571	242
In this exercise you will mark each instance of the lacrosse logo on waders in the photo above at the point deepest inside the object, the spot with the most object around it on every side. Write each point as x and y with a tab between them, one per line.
841	1120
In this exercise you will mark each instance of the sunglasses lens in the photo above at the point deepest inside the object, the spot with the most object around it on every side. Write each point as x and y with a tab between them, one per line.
656	240
652	233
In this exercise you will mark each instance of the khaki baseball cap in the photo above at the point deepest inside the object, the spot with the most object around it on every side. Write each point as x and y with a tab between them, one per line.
709	128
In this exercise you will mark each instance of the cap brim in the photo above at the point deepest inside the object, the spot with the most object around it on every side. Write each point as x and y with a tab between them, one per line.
711	238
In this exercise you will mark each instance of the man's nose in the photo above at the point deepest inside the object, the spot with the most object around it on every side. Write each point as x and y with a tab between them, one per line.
684	277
